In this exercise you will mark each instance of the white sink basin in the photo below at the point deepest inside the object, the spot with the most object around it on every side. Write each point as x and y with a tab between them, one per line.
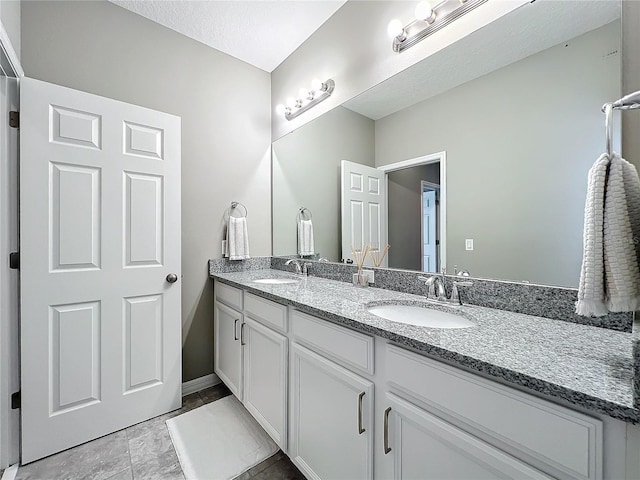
276	281
421	316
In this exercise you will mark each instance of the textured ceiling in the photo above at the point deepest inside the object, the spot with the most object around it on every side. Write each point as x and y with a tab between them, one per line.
260	32
530	29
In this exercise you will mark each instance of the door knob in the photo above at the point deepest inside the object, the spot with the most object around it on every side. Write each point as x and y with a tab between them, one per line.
172	278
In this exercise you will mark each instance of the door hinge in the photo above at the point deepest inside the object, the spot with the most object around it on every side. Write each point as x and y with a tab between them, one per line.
14	260
16	400
14	119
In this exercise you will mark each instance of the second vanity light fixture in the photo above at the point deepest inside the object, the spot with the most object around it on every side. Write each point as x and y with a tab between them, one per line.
306	99
429	19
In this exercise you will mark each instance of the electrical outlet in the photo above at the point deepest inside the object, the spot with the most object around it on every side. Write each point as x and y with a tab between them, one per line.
468	244
370	275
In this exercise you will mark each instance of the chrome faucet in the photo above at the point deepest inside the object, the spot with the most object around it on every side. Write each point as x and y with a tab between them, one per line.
300	269
437	289
455	291
296	263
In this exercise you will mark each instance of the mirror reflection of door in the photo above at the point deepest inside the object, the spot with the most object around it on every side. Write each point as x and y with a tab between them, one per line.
430	235
415	215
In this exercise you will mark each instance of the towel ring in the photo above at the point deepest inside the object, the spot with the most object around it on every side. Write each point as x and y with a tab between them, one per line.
301	213
235	205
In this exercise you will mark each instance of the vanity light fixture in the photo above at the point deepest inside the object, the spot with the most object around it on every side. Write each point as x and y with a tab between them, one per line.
429	19
306	99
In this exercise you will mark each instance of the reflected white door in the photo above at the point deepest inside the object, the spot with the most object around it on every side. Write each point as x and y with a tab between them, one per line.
429	234
100	233
364	209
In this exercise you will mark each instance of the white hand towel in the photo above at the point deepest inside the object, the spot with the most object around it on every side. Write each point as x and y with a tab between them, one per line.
237	239
610	276
621	220
305	238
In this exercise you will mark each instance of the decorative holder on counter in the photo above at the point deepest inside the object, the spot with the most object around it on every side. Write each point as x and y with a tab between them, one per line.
360	279
378	257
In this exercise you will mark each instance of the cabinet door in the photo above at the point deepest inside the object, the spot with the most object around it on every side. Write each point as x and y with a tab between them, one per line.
422	446
332	423
265	378
227	327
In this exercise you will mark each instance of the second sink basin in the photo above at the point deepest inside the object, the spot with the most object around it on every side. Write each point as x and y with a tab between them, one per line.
421	316
276	281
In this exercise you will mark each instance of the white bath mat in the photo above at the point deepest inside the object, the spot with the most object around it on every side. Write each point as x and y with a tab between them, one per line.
218	441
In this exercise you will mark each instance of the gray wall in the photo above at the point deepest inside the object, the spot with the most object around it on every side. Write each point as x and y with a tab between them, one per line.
10	18
306	172
519	144
405	211
101	48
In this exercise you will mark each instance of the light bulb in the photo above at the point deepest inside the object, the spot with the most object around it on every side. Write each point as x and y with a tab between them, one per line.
424	11
395	28
316	85
303	93
281	109
291	102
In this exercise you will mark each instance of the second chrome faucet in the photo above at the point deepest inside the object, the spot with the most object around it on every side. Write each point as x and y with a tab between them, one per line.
437	290
300	269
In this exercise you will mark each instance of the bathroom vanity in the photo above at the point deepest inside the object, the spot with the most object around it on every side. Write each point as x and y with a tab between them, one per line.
348	394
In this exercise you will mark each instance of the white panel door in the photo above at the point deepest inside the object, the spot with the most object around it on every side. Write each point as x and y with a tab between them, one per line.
331	419
9	326
422	446
364	209
429	234
100	234
265	378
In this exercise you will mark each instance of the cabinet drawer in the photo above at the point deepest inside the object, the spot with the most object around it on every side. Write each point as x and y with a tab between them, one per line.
228	295
265	311
346	346
561	441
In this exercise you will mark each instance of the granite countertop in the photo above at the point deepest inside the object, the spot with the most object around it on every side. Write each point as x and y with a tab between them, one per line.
586	366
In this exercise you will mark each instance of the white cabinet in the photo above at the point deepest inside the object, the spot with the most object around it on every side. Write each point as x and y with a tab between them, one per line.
422	446
251	358
265	378
227	347
331	419
296	374
559	441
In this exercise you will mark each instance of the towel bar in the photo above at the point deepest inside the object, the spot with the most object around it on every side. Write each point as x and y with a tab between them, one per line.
233	206
301	213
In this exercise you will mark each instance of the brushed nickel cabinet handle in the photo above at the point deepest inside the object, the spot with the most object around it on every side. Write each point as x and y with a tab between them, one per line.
242	334
361	430
387	449
235	328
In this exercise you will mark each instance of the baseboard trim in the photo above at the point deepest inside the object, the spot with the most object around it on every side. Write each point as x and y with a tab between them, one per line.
10	472
197	384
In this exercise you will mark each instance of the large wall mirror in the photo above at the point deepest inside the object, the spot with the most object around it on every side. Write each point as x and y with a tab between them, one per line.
483	151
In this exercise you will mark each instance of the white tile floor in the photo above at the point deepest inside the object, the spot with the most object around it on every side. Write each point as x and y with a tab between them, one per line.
143	451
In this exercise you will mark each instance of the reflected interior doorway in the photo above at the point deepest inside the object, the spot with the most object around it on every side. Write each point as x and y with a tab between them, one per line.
430	240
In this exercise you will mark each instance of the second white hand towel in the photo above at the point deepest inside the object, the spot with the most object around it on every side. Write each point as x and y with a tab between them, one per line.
610	276
591	294
237	239
305	237
621	221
